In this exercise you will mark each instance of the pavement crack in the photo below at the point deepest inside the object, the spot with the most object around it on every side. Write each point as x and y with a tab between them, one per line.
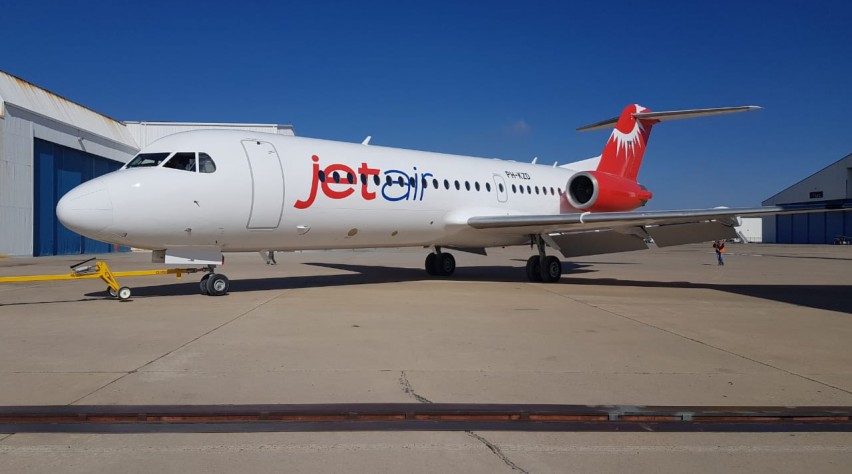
4	438
408	389
497	451
692	339
137	369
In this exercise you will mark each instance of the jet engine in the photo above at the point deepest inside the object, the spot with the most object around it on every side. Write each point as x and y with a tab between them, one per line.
604	192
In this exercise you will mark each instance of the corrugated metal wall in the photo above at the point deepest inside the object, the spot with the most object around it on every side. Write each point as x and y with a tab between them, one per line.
16	178
813	228
57	169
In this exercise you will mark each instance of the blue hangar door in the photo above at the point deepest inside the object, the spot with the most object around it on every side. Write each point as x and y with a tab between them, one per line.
813	228
56	170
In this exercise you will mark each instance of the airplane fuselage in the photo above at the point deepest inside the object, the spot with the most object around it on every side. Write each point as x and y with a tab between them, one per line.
289	193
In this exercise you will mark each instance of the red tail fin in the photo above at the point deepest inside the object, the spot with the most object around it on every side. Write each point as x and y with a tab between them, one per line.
622	155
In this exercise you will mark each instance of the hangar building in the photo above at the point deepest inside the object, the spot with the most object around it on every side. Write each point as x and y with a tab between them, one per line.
48	145
831	186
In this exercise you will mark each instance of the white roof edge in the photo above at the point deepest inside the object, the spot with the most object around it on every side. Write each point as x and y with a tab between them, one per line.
771	200
42	102
201	124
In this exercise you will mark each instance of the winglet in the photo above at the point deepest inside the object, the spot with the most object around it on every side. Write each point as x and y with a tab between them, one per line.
367	140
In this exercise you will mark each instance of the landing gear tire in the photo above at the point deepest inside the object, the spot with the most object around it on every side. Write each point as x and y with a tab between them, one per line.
534	268
203	284
111	292
431	267
551	272
217	285
124	293
440	264
446	264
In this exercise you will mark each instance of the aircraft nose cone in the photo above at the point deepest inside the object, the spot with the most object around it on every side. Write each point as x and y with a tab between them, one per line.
86	209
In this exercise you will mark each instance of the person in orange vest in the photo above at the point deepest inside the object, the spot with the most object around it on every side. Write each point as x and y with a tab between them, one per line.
719	246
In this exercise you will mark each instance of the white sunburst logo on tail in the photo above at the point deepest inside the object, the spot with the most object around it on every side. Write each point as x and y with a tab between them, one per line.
631	142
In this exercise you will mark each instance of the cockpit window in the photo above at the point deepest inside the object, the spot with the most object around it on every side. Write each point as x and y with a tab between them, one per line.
147	159
181	161
205	163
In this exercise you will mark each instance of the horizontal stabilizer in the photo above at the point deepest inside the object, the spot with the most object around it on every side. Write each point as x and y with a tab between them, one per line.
670	115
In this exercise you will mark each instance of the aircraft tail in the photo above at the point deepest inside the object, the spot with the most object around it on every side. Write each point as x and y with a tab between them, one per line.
623	152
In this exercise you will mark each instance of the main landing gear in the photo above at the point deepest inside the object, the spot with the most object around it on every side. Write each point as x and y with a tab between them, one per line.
214	284
542	267
440	264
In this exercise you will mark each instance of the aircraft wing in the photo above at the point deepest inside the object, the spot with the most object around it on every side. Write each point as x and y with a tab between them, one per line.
592	233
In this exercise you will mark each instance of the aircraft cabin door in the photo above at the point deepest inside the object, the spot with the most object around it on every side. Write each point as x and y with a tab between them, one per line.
267	185
502	192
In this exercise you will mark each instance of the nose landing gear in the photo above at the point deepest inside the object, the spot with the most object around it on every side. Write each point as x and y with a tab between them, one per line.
214	284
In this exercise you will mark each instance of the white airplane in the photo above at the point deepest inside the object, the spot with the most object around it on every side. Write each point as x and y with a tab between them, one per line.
191	196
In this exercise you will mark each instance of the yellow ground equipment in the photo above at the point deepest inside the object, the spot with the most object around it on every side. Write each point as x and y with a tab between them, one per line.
87	270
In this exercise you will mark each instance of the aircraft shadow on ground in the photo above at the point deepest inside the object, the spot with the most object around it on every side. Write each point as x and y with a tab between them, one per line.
360	275
827	297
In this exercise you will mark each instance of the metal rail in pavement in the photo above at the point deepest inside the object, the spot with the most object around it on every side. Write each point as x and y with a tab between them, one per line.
419	417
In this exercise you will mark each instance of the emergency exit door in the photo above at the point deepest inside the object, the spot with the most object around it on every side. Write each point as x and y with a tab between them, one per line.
267	178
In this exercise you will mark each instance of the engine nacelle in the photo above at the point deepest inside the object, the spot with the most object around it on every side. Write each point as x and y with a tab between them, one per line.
603	192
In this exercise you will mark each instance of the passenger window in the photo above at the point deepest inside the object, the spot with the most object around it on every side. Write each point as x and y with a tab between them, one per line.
488	187
335	176
560	190
514	190
205	163
521	188
350	178
529	190
551	191
536	189
476	185
501	187
412	182
458	187
425	183
181	161
435	183
446	184
321	175
143	160
467	185
400	181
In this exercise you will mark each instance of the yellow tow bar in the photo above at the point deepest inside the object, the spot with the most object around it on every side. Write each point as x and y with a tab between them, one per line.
81	271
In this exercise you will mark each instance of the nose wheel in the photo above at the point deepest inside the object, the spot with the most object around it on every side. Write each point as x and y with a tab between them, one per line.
214	284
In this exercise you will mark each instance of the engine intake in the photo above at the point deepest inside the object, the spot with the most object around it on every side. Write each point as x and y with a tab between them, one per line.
603	192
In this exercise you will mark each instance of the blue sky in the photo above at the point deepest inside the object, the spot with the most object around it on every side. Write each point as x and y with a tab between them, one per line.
498	79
